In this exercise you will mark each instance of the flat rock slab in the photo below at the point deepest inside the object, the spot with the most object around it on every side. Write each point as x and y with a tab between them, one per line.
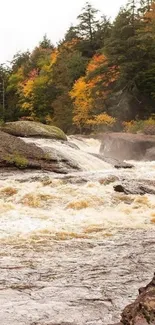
125	146
14	152
33	129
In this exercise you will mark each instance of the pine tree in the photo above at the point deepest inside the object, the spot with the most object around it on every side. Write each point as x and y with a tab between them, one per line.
88	22
145	5
132	6
46	43
71	34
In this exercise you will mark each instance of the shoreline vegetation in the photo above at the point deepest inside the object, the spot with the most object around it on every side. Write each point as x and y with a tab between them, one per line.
99	78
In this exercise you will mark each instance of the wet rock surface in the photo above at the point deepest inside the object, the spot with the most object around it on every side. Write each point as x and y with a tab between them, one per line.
33	129
14	152
135	187
124	146
73	282
124	165
142	311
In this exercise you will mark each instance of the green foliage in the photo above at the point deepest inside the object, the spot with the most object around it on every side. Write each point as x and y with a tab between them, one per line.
38	84
141	126
17	160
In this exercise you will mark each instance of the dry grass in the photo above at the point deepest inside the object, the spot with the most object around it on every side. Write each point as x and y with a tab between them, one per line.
9	191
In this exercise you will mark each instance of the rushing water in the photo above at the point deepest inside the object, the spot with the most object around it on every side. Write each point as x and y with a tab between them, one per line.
73	251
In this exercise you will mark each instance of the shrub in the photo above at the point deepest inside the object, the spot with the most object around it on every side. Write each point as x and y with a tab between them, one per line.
141	126
17	160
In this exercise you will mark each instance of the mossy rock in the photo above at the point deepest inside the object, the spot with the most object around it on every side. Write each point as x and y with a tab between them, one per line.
16	153
33	129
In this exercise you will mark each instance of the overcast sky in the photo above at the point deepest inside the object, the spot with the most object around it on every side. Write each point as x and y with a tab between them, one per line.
24	22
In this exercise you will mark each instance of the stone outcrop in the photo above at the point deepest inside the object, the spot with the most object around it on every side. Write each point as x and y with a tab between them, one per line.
125	146
33	129
142	311
14	152
139	187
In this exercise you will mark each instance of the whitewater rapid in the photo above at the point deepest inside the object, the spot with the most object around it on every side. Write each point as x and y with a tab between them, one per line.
73	251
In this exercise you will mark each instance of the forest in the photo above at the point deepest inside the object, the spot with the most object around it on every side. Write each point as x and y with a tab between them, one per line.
101	76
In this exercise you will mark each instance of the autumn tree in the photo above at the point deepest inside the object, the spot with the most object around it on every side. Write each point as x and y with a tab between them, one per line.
89	94
70	65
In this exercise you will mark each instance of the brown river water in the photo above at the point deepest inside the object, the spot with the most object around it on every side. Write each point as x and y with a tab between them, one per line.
73	251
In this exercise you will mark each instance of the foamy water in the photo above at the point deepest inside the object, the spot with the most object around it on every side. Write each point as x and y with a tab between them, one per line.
57	208
72	249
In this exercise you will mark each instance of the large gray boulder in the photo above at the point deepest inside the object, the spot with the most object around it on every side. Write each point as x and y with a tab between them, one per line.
33	129
125	146
16	153
150	154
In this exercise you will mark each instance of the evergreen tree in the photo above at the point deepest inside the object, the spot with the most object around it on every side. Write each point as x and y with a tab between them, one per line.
46	43
145	5
71	34
88	22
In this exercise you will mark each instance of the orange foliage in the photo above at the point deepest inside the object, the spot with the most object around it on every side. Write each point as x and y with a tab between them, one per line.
96	62
85	93
71	44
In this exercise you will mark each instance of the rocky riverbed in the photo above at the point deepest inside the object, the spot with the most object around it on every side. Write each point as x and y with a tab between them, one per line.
73	249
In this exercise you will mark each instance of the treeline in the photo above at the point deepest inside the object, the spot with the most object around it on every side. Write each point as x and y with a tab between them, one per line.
99	75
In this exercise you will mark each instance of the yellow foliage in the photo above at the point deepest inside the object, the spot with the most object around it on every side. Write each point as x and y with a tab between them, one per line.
142	126
81	93
54	56
102	119
88	91
28	88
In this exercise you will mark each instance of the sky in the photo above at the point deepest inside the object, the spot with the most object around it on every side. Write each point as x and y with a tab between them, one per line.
23	23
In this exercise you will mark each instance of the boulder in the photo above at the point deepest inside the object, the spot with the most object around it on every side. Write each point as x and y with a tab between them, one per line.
14	152
142	311
123	165
135	188
150	154
33	129
125	146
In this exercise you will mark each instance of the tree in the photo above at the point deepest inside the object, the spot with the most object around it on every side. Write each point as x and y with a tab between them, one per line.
145	5
70	65
88	22
89	94
103	32
71	34
46	43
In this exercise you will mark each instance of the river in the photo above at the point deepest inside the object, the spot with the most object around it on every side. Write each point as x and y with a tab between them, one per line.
73	251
